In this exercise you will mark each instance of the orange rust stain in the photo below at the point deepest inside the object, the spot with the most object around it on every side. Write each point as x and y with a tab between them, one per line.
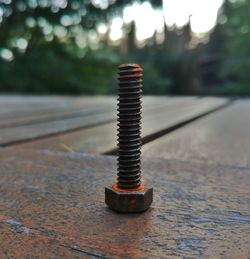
3	217
139	69
137	74
118	189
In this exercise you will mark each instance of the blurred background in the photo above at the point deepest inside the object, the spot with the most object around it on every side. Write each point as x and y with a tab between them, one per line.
186	47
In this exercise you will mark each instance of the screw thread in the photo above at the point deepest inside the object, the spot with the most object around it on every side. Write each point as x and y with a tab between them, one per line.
129	130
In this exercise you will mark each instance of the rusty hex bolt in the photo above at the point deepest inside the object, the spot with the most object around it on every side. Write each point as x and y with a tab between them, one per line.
129	194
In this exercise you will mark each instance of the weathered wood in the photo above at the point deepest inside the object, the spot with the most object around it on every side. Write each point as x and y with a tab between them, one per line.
199	210
221	138
10	106
102	138
30	110
48	108
21	133
19	241
94	116
15	107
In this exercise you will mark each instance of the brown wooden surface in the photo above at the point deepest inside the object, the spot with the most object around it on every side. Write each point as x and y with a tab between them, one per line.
222	138
100	111
101	139
19	241
52	205
20	112
16	111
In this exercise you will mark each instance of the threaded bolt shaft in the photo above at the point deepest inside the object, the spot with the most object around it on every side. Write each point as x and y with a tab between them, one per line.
128	194
129	130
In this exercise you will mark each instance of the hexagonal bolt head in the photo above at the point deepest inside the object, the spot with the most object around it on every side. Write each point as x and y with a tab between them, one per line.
128	201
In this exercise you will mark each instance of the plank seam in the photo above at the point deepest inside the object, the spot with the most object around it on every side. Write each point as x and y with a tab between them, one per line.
74	248
26	140
56	118
74	114
158	134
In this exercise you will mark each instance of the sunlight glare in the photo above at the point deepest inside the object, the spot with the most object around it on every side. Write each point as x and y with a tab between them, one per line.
6	54
102	28
116	32
147	20
202	13
145	23
130	12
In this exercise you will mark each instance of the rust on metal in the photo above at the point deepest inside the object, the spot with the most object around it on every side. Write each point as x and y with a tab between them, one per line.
127	201
128	194
118	189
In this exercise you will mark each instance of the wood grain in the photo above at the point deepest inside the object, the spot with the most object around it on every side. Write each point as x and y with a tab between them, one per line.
221	138
199	210
99	111
15	111
102	138
19	241
25	111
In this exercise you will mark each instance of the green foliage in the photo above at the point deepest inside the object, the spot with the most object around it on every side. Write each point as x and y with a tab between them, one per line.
45	71
53	64
50	63
237	64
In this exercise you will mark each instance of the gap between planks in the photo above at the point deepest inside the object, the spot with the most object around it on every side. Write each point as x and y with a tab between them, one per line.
12	143
75	129
148	138
158	134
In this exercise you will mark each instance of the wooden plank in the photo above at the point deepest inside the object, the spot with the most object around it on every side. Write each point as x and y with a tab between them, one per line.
199	210
19	241
51	108
53	114
102	138
20	104
20	133
44	109
24	132
221	138
27	106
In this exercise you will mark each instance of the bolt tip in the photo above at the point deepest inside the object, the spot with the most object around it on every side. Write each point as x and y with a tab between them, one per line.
129	66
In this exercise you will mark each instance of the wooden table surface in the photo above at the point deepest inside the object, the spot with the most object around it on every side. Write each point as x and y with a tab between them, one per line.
58	153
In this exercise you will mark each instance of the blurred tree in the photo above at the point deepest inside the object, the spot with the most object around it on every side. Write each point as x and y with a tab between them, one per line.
48	39
54	46
27	17
45	39
211	61
235	18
